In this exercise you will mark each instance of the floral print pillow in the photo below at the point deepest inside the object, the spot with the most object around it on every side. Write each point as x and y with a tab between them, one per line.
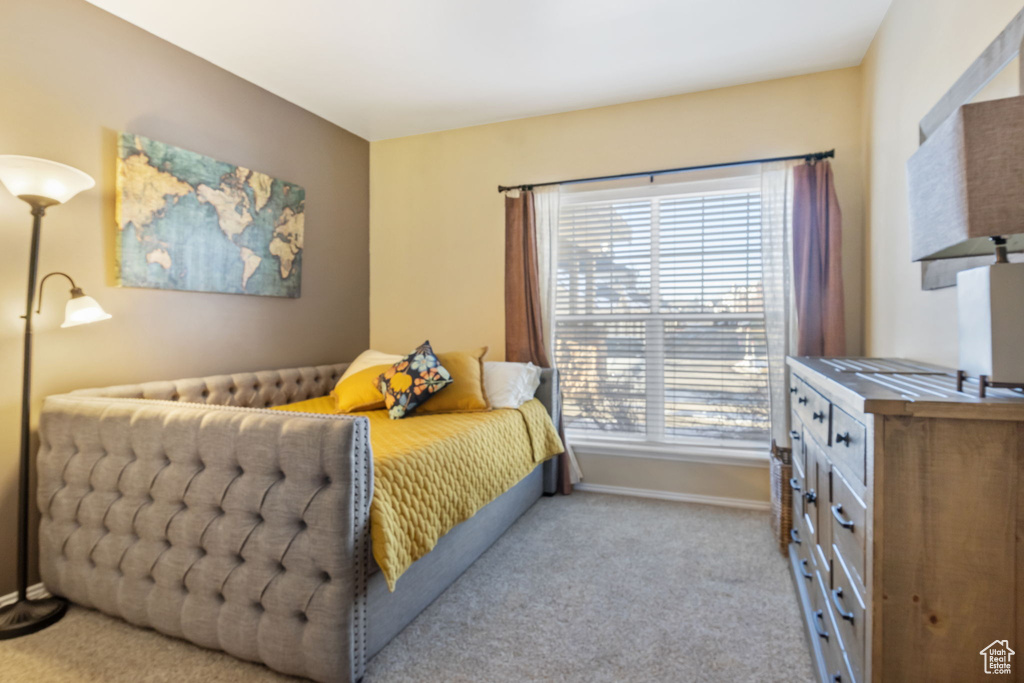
412	380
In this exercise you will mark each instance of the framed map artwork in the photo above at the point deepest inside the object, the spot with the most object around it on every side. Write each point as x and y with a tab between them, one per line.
188	222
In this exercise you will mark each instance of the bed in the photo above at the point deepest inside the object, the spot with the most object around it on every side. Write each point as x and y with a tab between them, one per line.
195	508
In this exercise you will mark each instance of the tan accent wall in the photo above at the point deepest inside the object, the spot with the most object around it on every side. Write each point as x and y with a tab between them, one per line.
72	76
922	47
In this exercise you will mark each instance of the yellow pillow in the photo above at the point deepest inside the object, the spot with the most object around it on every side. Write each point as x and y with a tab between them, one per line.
466	392
359	392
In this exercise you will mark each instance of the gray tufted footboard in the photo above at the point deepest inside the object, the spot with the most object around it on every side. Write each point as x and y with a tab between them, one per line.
240	529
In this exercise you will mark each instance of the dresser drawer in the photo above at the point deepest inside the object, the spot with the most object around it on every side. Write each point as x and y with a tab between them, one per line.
800	539
849	611
848	445
805	570
849	528
826	633
796	438
799	535
798	485
805	573
810	518
809	538
818	504
813	410
836	668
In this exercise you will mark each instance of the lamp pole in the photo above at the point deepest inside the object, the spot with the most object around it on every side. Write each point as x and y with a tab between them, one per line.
28	616
38	211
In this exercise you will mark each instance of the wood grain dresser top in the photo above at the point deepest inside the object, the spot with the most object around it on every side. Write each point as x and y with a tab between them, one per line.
894	386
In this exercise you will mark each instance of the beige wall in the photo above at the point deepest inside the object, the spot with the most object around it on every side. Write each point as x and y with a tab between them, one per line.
742	485
72	77
437	220
921	49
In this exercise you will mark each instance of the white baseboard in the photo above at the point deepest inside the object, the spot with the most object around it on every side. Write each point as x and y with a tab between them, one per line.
672	495
35	592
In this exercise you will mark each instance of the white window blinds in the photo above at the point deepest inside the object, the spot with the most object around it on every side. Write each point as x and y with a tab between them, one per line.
659	317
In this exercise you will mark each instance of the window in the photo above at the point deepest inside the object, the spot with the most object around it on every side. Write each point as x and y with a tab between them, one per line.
659	315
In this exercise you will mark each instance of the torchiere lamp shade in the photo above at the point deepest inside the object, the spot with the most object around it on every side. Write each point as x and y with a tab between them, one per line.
50	180
966	182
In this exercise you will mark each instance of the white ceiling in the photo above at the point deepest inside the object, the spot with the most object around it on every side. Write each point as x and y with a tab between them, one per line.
389	68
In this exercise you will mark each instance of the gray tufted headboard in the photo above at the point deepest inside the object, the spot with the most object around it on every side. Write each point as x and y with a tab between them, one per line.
263	389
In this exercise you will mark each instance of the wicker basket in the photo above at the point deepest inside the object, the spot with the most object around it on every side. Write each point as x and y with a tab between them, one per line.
782	495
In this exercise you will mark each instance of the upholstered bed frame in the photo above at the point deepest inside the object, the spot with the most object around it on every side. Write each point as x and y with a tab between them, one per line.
190	508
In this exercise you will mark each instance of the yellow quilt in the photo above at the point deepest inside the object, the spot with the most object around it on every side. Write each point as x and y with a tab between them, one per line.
432	472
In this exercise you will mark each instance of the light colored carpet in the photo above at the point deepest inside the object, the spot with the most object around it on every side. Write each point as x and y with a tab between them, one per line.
588	588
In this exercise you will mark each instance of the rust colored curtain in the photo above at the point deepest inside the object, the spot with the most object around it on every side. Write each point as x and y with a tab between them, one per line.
817	262
524	330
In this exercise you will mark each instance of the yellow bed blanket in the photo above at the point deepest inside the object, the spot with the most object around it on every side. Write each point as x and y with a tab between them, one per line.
432	472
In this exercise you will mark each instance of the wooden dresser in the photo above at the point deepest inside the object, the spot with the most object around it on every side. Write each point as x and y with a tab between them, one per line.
908	542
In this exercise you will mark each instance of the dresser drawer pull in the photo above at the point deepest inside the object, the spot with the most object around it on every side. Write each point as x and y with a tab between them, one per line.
837	593
819	624
795	536
837	512
792	390
837	677
811	496
843	438
820	417
794	484
795	435
802	400
803	570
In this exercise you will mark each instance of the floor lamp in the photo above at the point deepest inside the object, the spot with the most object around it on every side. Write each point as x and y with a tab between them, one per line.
41	184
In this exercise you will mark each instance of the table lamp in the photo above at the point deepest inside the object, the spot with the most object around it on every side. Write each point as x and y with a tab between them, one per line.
41	184
966	186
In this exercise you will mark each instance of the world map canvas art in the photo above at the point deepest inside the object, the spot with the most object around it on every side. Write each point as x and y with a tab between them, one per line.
189	222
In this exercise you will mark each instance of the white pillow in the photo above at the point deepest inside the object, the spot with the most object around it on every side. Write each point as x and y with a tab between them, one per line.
368	359
510	385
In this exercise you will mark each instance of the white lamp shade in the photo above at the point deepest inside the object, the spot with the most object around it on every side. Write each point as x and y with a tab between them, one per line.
42	178
83	309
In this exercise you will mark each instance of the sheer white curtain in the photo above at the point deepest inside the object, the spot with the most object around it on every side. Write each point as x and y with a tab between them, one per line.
547	206
547	209
779	303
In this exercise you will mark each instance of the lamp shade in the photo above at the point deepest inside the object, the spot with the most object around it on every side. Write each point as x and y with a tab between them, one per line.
32	177
83	309
966	182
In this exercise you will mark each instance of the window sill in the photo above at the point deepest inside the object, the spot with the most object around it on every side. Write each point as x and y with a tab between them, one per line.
720	453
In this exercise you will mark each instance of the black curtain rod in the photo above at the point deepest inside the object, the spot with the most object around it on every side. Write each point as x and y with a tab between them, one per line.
816	156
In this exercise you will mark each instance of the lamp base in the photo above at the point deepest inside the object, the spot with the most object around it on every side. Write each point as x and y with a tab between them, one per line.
28	616
991	322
